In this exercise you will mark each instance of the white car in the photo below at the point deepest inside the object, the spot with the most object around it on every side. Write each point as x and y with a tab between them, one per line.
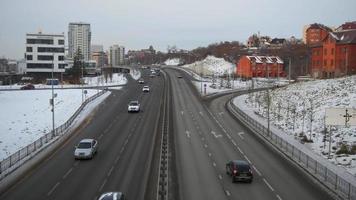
141	81
133	106
86	149
146	88
112	196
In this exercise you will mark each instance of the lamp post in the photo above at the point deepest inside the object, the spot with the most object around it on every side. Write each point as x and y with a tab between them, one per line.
82	79
52	100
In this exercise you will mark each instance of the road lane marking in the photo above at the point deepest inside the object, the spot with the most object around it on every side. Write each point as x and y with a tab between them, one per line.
53	189
247	159
182	112
110	171
187	133
238	148
227	192
100	136
201	113
240	134
205	145
256	170
209	154
117	159
228	136
102	185
215	135
68	172
214	164
234	143
278	197
220	177
270	187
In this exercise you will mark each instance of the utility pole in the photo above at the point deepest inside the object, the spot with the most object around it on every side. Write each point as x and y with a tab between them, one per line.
268	108
289	70
52	100
82	79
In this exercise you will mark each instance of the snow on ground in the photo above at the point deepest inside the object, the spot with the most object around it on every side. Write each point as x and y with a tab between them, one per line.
117	79
135	74
291	111
211	66
26	115
172	61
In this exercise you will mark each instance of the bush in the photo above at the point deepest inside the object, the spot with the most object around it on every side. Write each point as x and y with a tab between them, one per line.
343	150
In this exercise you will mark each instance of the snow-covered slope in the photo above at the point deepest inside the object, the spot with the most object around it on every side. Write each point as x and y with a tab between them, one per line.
172	61
299	109
212	65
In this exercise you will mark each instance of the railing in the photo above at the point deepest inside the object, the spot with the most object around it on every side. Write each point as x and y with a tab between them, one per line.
10	163
335	178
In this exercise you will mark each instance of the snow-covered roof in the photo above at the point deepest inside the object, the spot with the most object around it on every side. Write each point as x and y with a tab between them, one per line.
266	59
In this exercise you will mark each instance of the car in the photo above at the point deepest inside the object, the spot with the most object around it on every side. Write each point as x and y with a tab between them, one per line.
133	106
112	196
146	88
86	149
239	170
141	81
179	76
28	87
152	75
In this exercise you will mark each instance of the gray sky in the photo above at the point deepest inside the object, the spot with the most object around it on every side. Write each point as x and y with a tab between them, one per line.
188	24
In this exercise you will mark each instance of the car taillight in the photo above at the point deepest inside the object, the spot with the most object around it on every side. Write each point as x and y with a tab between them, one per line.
235	171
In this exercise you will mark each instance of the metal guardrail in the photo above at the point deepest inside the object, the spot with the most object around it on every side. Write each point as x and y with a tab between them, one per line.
37	145
343	184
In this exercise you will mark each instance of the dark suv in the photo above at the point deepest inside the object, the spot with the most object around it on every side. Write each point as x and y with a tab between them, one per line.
239	170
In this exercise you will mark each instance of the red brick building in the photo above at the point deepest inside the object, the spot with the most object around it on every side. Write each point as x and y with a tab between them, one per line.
335	55
260	66
316	33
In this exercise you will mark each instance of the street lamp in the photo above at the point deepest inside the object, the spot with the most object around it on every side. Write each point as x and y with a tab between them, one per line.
52	100
82	78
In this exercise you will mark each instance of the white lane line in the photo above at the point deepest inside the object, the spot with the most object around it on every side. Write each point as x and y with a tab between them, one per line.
110	171
228	136
182	112
270	187
240	134
100	136
228	193
122	149
220	177
278	197
102	185
187	133
201	113
215	135
234	143
53	189
214	164
247	159
68	172
256	170
209	154
238	148
205	145
117	159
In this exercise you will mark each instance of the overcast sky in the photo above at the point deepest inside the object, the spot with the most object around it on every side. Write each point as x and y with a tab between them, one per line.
187	24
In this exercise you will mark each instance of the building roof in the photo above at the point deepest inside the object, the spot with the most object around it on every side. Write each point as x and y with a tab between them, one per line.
266	59
278	41
344	37
319	26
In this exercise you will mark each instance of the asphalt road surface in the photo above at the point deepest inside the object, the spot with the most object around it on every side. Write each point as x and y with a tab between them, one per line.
207	137
126	143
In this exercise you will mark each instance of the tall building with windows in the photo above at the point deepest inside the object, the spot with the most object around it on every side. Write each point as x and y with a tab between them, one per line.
79	37
116	55
44	53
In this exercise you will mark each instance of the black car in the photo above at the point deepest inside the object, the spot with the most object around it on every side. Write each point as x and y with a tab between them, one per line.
28	87
239	170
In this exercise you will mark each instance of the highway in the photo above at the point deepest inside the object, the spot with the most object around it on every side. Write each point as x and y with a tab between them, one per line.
206	137
123	163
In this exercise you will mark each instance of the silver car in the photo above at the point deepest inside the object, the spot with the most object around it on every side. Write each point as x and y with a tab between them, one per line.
112	196
86	149
133	106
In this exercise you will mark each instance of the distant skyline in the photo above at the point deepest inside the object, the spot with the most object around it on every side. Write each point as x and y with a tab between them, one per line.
188	24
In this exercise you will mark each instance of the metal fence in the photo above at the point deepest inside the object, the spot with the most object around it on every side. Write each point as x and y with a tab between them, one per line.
33	148
335	178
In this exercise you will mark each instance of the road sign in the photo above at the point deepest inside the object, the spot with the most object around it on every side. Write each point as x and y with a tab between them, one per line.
340	117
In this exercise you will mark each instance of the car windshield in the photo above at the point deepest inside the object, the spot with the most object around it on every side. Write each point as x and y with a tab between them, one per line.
243	168
84	145
133	104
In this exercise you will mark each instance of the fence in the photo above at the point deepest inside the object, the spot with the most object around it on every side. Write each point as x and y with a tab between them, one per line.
335	178
33	148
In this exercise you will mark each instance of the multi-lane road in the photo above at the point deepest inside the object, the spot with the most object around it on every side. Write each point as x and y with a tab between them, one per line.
203	138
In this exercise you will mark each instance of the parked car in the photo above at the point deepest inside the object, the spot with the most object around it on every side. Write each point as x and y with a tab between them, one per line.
86	149
239	170
141	81
133	106
28	87
112	196
146	88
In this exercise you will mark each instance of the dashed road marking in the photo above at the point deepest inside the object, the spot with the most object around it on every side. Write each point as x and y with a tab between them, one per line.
187	133
228	136
215	135
270	187
220	177
110	171
53	189
102	185
234	143
247	159
240	134
182	112
214	164
238	148
227	193
68	172
205	145
100	136
278	197
209	154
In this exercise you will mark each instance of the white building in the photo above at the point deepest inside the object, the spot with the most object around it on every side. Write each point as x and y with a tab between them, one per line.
79	37
44	52
116	55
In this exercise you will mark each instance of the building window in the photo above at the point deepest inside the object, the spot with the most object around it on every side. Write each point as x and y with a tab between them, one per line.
44	57
60	41
325	63
28	57
39	65
60	58
39	41
50	50
61	66
332	62
28	49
